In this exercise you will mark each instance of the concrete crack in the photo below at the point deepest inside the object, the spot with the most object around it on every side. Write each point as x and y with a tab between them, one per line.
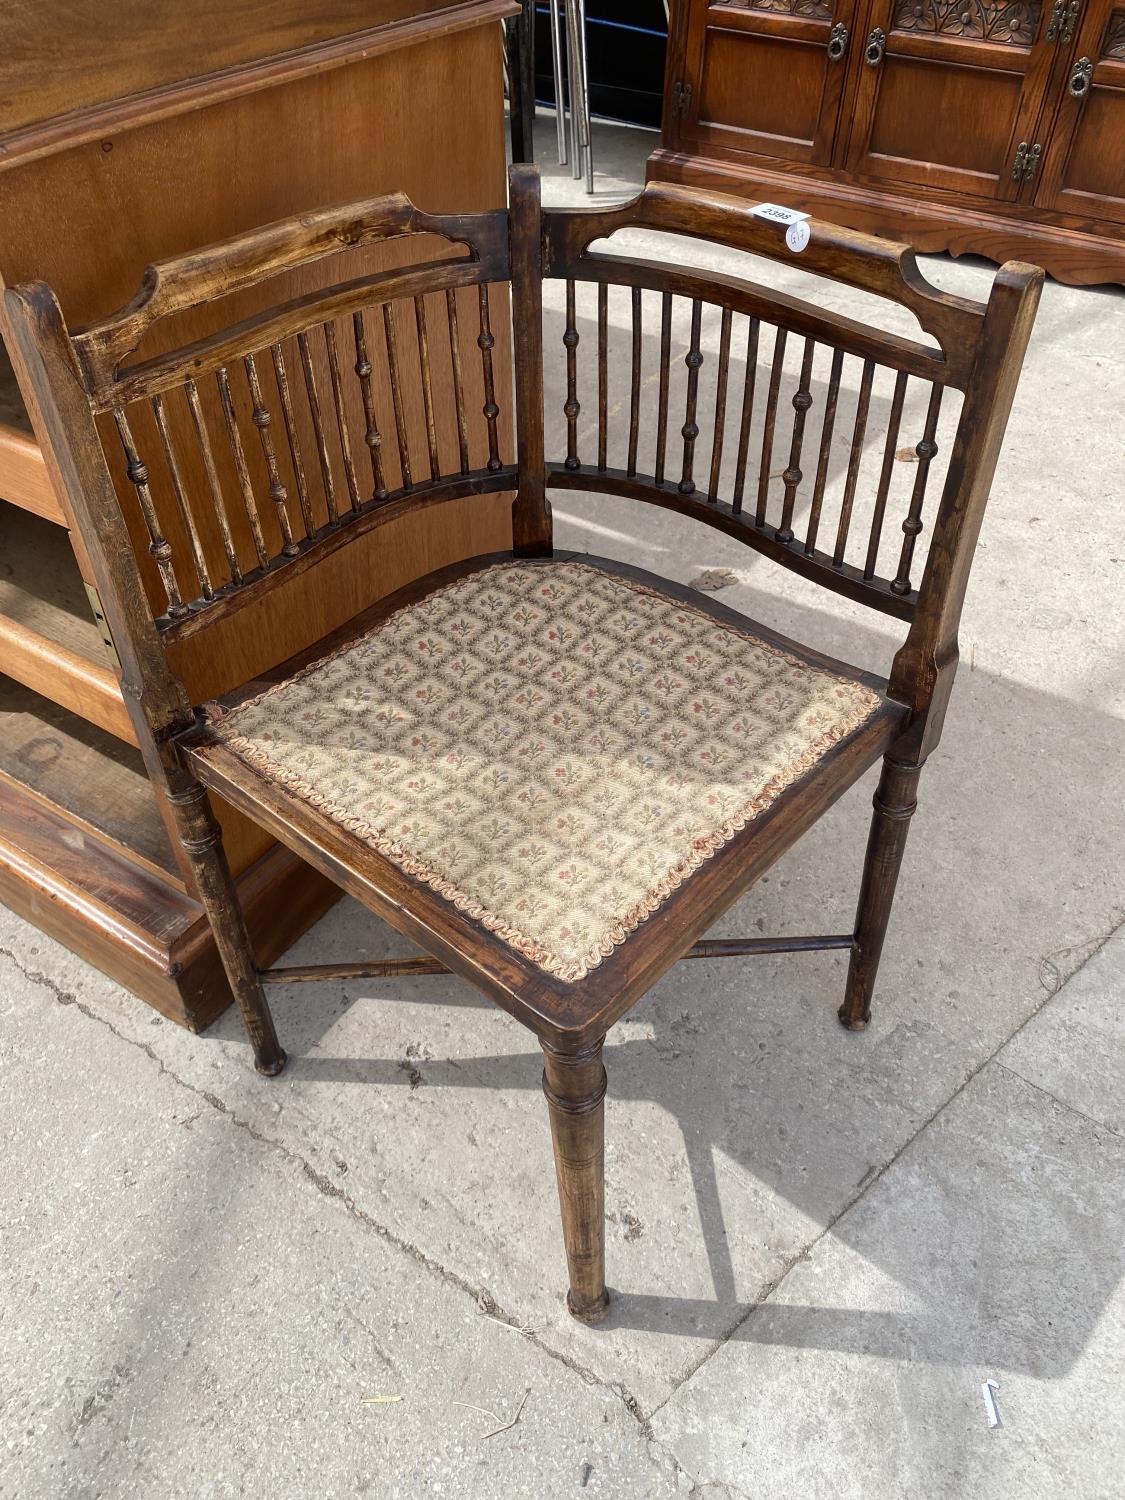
1094	946
1054	1098
329	1189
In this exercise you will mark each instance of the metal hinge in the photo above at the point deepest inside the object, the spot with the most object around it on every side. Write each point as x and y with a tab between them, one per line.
1026	163
681	98
1064	21
103	628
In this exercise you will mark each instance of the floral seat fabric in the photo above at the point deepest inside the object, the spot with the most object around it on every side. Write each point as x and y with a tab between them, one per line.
551	747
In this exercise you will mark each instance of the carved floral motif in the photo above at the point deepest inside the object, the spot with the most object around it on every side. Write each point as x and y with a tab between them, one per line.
813	10
1113	44
1010	23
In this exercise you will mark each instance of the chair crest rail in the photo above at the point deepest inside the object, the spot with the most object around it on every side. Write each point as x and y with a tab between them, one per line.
862	261
244	261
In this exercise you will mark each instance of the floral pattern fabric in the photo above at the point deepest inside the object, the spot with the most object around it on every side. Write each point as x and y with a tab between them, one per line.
551	747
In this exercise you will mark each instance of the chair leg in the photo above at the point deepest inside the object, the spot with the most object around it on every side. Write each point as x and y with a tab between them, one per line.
202	840
574	1083
895	801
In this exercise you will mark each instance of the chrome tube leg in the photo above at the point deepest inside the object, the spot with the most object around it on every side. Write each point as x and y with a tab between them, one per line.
574	85
556	63
588	139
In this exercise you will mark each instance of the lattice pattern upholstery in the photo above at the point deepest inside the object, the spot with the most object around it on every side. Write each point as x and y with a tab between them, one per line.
551	747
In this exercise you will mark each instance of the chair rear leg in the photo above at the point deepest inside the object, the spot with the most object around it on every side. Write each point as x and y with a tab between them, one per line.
895	801
202	840
574	1083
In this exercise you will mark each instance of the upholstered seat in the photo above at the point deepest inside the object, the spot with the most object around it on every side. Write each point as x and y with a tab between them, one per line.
551	746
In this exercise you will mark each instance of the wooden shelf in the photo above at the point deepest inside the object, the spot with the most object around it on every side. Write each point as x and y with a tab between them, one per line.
98	783
48	638
23	474
136	924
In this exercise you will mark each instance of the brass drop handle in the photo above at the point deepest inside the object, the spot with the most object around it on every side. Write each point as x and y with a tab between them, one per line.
876	46
1080	77
837	42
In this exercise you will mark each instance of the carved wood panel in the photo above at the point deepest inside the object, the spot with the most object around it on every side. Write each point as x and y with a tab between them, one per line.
1011	24
813	10
1113	44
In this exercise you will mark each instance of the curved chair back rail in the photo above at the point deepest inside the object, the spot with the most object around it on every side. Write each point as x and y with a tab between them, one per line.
862	261
824	438
258	450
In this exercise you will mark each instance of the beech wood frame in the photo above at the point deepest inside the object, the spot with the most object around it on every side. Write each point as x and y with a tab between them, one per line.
977	349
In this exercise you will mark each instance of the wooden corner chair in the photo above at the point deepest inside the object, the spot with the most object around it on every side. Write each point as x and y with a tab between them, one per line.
552	772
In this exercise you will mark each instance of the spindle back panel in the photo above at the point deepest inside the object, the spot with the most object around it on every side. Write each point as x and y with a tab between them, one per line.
818	440
263	446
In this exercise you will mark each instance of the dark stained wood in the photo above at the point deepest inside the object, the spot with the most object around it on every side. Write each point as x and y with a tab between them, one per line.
802	401
388	968
890	447
458	393
341	418
926	451
895	803
874	265
486	342
843	578
131	922
603	375
427	387
749	380
982	348
574	1083
834	329
281	375
308	370
531	514
766	465
855	456
828	426
693	359
662	400
571	407
720	406
993	129
372	437
202	841
278	493
636	310
244	484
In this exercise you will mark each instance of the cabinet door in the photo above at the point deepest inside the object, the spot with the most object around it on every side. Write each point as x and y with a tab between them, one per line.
765	76
1084	170
946	92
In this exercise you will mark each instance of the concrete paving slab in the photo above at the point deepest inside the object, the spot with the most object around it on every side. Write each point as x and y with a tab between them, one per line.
992	1248
1075	1047
188	1311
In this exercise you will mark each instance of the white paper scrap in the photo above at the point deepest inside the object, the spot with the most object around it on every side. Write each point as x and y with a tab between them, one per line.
991	1412
776	213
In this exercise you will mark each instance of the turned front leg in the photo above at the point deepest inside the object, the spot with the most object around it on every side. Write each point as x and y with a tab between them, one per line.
574	1083
895	801
202	840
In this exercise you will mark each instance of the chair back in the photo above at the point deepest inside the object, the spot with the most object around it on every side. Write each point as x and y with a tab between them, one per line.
211	472
827	438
